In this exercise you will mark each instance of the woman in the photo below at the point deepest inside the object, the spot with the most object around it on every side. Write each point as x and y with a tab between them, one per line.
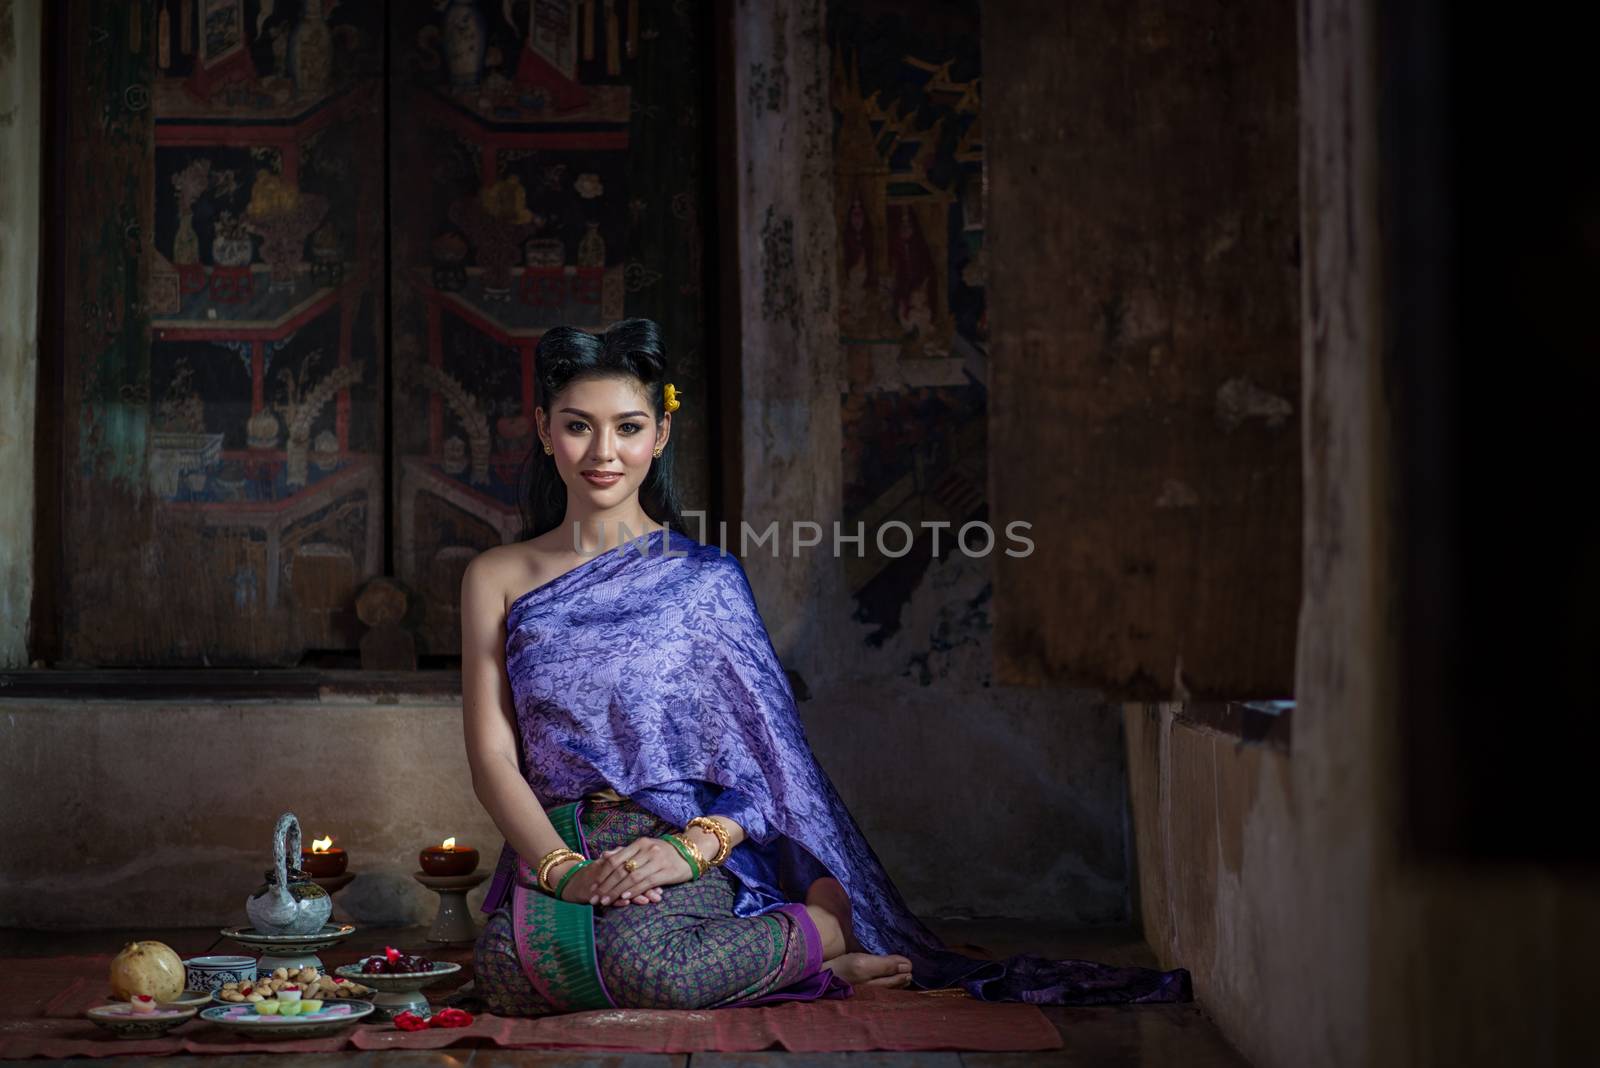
671	841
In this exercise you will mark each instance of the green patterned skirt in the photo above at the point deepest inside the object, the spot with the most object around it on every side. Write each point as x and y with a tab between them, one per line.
540	955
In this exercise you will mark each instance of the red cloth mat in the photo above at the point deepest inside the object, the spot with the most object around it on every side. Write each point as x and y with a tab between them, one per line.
61	987
872	1019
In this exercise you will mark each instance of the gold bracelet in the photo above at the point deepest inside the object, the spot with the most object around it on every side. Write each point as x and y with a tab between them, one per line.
556	856
724	843
699	857
544	861
550	863
687	852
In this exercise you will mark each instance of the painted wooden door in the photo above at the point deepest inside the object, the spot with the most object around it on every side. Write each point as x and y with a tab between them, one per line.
547	171
262	200
222	492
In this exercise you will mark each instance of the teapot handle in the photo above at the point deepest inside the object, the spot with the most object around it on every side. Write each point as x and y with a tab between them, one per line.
288	828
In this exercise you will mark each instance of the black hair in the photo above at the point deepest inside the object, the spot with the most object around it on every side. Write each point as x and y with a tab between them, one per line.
630	348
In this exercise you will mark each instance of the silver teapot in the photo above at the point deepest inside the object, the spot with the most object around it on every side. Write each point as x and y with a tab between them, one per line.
288	903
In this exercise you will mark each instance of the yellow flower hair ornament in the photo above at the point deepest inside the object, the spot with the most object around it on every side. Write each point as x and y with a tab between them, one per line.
671	402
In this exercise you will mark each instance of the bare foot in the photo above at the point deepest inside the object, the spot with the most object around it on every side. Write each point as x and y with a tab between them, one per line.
888	969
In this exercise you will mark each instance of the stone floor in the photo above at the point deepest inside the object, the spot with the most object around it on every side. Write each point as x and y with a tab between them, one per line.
1112	1037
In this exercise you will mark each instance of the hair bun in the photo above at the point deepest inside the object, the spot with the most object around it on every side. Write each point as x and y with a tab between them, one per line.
629	347
639	342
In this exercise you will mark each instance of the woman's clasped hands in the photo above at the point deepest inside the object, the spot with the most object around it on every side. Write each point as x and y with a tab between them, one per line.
609	879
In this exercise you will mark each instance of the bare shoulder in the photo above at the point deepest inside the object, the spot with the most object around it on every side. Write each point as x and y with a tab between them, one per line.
503	573
491	575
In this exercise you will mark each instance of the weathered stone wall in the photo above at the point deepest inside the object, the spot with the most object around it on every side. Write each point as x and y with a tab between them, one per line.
20	78
121	814
1256	868
923	748
160	813
1144	297
1279	879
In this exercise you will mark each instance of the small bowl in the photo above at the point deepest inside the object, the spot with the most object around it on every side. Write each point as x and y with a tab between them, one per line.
120	1019
212	973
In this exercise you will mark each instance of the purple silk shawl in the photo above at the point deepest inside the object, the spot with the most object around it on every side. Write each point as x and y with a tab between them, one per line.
648	669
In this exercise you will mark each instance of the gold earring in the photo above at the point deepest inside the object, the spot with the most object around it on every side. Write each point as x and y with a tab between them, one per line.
658	454
548	451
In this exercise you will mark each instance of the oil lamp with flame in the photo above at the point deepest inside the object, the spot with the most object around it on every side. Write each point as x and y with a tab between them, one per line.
449	859
451	871
324	860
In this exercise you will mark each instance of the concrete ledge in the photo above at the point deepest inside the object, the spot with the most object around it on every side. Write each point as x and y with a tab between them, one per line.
1034	777
161	814
229	684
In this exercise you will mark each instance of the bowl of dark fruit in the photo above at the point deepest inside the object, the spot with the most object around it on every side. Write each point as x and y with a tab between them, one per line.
399	978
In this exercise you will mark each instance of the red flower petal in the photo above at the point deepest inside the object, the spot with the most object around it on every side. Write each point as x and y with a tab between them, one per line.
452	1018
410	1021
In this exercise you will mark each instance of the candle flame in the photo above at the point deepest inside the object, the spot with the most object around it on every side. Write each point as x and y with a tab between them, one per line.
450	843
322	845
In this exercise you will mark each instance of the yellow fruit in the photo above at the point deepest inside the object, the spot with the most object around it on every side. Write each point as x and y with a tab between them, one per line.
147	968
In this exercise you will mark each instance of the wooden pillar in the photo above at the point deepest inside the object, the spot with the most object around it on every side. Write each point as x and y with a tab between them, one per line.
788	321
20	134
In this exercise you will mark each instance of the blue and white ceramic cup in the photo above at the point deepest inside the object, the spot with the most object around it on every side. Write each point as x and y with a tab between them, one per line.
212	973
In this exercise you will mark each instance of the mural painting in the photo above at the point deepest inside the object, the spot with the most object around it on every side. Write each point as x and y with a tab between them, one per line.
551	177
234	421
302	187
908	158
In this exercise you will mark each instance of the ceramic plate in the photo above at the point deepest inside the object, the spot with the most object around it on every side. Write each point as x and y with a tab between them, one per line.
120	1019
189	999
392	981
330	935
244	1019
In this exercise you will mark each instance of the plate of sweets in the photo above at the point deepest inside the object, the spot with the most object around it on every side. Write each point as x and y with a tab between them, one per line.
301	982
141	1016
288	1016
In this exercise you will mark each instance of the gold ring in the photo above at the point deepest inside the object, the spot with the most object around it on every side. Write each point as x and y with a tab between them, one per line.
629	864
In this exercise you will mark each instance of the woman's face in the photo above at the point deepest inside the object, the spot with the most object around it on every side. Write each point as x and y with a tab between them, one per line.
603	427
